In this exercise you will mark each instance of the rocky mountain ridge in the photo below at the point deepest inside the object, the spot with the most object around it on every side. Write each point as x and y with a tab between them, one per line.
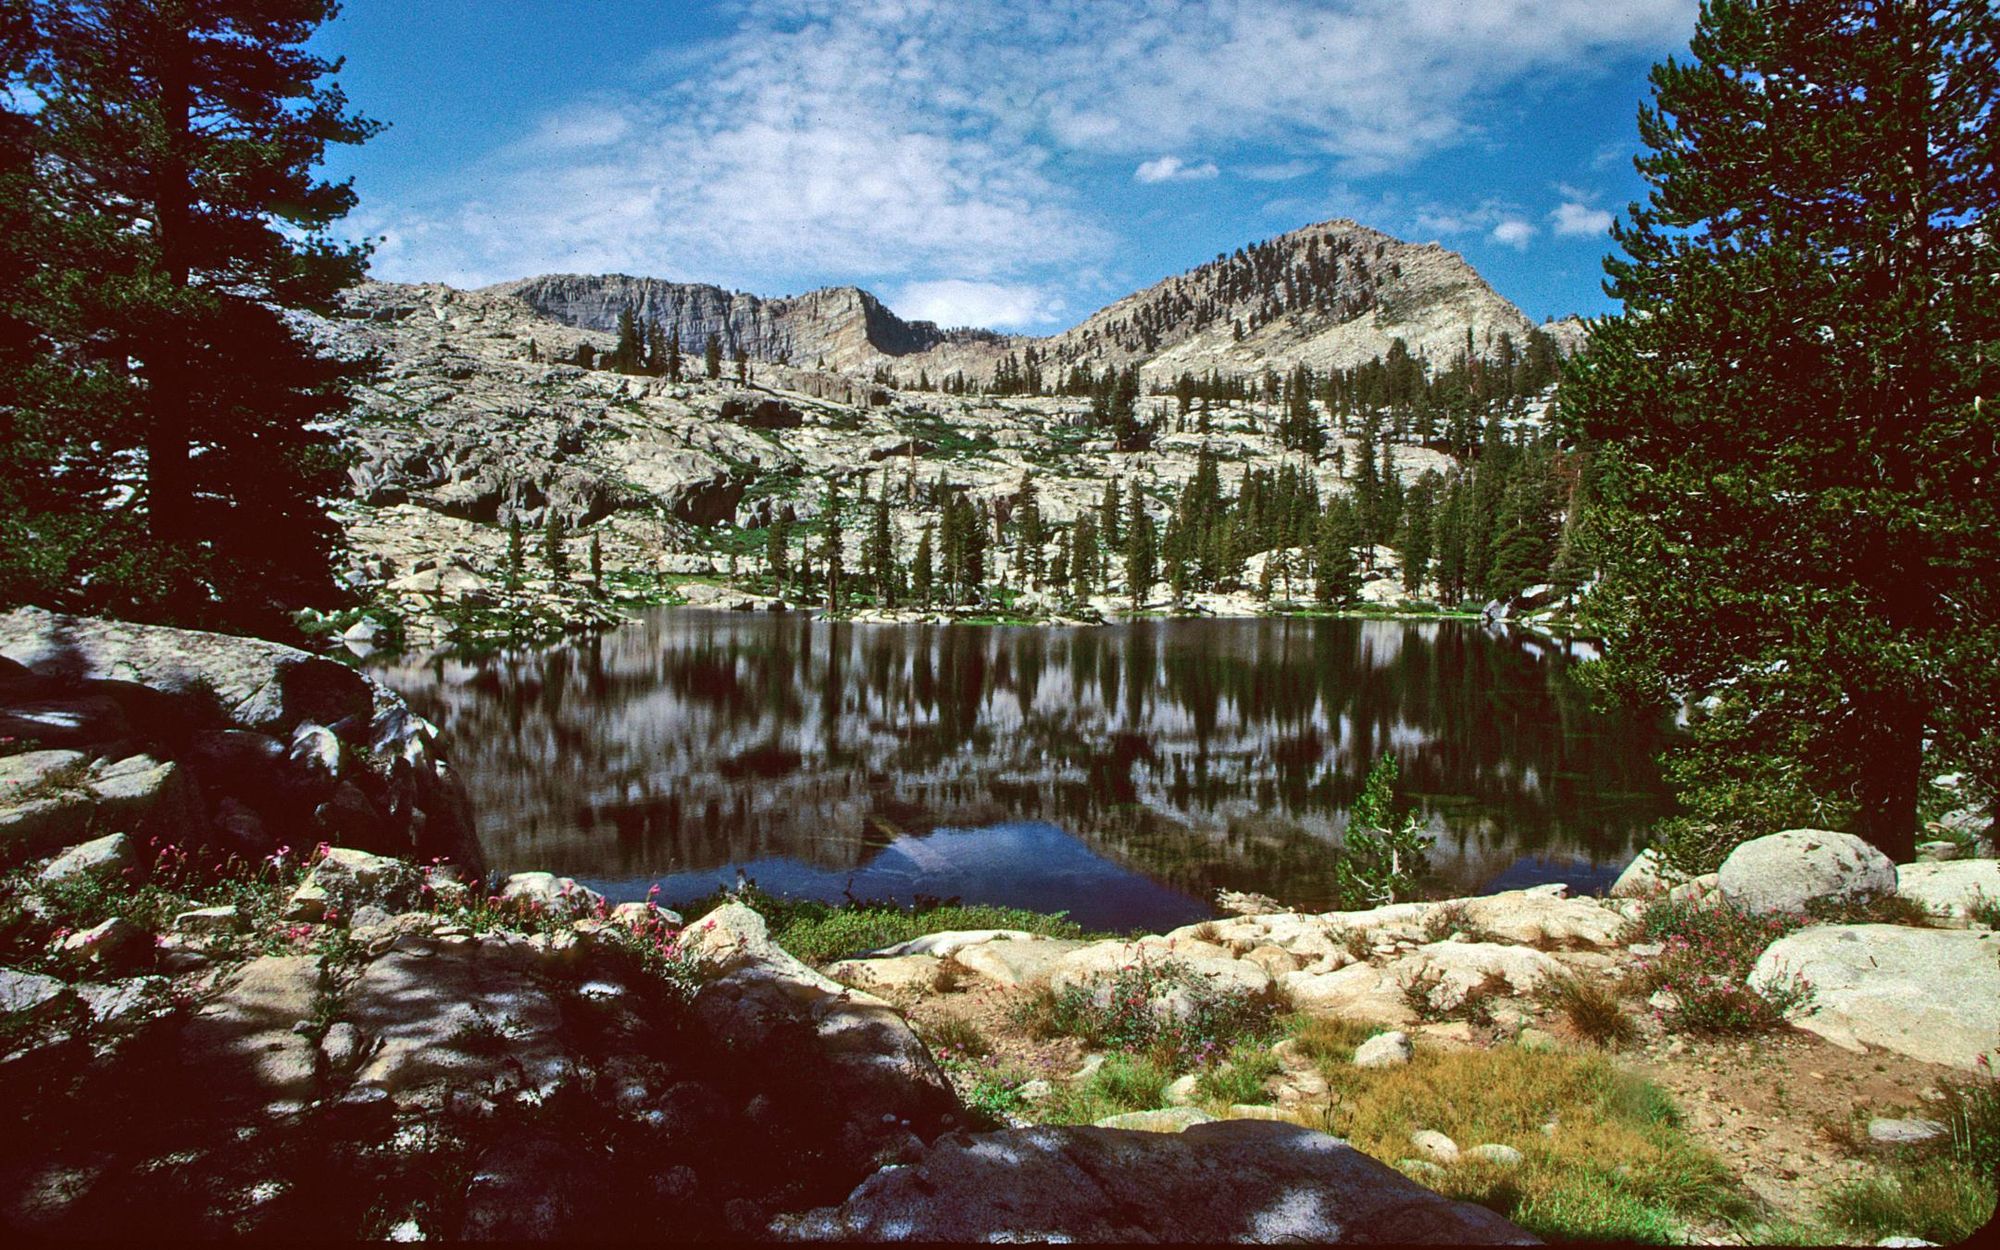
1330	295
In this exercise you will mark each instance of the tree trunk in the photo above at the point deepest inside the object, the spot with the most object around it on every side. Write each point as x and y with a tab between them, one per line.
1891	768
169	487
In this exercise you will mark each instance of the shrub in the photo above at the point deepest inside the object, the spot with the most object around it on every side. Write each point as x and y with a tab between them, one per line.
1883	907
1427	995
1983	910
1162	1008
1446	919
1710	949
1358	943
1384	855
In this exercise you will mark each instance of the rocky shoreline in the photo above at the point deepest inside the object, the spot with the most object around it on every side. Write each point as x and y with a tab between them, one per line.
372	1041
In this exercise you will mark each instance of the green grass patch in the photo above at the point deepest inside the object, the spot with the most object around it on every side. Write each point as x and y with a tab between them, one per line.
819	932
1125	1083
1614	1166
1240	1077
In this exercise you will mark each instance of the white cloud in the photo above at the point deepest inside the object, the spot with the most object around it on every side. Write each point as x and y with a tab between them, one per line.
1173	169
897	140
1282	171
1574	220
958	302
1514	232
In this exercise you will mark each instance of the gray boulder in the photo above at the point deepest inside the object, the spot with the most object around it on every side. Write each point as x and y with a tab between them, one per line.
559	896
346	880
1931	994
1229	1181
258	685
1645	877
845	1061
1951	887
100	859
1785	871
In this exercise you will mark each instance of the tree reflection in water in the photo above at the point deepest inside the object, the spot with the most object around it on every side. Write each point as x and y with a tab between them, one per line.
1196	754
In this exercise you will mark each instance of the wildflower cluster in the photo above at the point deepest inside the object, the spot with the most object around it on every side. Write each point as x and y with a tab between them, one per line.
1161	1008
1709	949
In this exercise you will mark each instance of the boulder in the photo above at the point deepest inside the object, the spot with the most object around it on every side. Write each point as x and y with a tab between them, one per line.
100	859
1904	1132
1359	991
444	1014
29	994
243	1043
1647	876
345	880
77	720
1931	994
895	974
526	1189
1783	872
115	945
558	896
254	684
1095	965
1384	1050
1021	962
847	1064
1440	1148
1230	1181
1534	919
950	943
1952	887
1170	1120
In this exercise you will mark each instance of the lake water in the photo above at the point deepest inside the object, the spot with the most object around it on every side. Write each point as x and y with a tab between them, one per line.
1121	773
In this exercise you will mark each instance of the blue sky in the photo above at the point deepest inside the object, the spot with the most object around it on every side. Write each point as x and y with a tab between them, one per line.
1010	165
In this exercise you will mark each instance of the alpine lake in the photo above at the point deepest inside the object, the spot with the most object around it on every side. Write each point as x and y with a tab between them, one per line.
1122	773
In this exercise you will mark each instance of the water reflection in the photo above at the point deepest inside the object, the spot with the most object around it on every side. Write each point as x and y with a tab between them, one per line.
1192	754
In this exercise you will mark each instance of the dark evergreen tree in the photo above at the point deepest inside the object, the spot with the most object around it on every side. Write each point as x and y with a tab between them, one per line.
923	572
629	355
175	144
1141	550
711	355
554	553
1798	398
1336	571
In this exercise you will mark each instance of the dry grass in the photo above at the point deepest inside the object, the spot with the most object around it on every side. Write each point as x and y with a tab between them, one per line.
1589	1010
1331	1042
1206	931
949	975
954	1035
1446	919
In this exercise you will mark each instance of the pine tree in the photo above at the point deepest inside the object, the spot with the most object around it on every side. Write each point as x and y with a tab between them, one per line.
777	548
1028	530
830	551
673	364
630	353
711	355
924	570
1107	517
175	146
554	554
515	555
1141	551
1336	572
1084	558
1801	463
596	562
1417	531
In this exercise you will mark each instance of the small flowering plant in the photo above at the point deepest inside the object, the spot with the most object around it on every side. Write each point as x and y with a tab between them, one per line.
1708	949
